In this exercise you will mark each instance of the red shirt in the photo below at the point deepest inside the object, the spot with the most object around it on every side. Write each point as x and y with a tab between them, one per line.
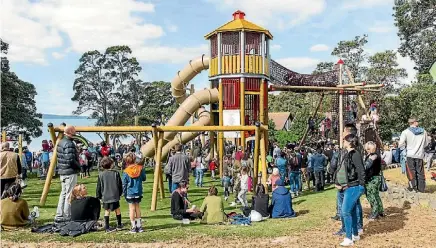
239	155
212	165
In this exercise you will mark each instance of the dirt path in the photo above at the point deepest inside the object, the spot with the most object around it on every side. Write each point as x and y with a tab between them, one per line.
402	227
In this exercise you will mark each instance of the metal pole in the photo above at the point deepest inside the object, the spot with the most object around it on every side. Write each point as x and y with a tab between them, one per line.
157	170
341	110
51	169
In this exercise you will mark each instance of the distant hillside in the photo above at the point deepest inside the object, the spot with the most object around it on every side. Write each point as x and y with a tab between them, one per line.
64	117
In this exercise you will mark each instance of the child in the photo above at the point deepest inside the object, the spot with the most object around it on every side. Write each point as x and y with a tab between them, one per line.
212	168
83	160
227	180
273	178
133	177
242	195
109	190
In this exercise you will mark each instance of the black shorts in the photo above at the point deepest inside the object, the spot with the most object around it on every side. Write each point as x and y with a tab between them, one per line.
134	200
111	206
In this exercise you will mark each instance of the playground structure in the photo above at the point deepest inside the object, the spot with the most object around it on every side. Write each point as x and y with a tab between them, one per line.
19	141
240	69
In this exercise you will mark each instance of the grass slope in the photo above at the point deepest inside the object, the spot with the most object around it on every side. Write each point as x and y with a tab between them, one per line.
313	212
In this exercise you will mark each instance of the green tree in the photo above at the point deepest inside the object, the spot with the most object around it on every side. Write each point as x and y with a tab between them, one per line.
158	104
353	54
416	28
18	106
323	67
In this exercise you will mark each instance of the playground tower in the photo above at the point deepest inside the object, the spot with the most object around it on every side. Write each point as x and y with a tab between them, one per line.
239	68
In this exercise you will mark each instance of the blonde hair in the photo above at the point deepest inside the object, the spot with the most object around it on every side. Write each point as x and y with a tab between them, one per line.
276	171
130	158
371	146
78	192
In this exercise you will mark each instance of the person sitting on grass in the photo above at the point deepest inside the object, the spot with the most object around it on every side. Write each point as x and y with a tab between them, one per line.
133	177
109	191
281	202
14	210
83	207
213	208
260	201
179	204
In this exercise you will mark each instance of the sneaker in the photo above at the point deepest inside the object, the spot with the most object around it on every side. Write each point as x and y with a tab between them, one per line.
226	198
120	227
233	204
297	194
360	231
139	229
373	216
133	230
110	230
339	233
347	242
356	238
35	212
336	217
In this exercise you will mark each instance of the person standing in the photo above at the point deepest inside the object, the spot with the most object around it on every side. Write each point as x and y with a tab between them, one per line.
430	152
415	139
68	168
179	165
373	180
318	161
10	167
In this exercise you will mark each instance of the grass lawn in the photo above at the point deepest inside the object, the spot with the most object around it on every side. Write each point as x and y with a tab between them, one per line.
313	211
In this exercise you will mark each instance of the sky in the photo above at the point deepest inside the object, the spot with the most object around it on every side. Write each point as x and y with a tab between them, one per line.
47	37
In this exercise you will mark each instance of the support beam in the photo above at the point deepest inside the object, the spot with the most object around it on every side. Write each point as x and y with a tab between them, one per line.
157	170
130	129
3	136
156	144
20	147
341	109
52	132
263	159
192	91
256	154
262	103
317	88
221	124
242	110
51	169
303	139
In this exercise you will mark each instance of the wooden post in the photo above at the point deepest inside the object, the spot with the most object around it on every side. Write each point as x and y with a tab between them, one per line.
106	138
138	136
157	170
20	147
192	117
156	143
256	155
51	169
211	138
221	123
263	159
52	132
4	136
341	110
303	139
262	103
362	104
242	111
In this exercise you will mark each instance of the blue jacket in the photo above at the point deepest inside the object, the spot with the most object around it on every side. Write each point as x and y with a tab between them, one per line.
318	161
133	177
281	164
281	203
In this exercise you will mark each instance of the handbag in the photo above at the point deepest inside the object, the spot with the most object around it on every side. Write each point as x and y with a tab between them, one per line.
383	184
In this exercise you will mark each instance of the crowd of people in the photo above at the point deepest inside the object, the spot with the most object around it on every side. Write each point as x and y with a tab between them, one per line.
354	170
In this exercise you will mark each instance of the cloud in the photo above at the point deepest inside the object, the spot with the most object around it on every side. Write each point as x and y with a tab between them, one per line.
172	28
281	13
360	4
58	101
382	27
57	55
276	47
165	54
304	64
319	48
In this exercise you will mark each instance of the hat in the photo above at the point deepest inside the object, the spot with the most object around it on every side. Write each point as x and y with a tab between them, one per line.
279	182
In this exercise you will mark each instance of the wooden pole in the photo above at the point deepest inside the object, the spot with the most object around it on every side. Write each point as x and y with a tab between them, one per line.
211	139
138	136
256	154
242	111
192	91
266	117
20	147
52	132
3	136
157	170
303	139
262	103
132	129
221	123
319	88
263	158
341	110
156	144
51	169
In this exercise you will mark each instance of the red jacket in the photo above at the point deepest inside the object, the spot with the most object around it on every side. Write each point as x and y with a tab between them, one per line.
212	165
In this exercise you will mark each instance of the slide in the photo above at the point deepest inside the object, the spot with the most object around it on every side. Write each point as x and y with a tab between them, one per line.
189	105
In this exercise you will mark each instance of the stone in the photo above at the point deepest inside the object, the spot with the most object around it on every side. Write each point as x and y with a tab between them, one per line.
432	204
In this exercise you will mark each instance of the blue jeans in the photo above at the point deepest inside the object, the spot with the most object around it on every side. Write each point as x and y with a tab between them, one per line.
349	210
199	177
174	186
294	180
170	184
403	164
340	200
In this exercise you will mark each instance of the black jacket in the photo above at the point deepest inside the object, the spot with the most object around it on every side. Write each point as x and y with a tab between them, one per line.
178	207
85	209
68	159
372	166
260	204
355	169
109	186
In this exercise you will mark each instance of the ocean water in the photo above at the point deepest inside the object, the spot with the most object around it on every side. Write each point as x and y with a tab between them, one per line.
35	145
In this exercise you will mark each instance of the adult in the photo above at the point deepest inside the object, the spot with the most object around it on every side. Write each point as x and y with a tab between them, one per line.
260	201
14	210
350	178
84	207
430	152
277	151
373	180
68	167
281	202
414	139
294	168
281	164
213	208
318	161
248	162
179	205
179	166
29	158
238	157
10	167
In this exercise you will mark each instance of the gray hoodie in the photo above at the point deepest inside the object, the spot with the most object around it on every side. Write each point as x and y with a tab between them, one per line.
414	139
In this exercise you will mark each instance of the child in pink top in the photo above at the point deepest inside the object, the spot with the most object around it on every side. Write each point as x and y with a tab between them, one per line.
273	178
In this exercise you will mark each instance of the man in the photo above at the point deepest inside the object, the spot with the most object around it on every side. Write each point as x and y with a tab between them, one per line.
68	167
10	167
179	166
29	158
318	161
277	151
414	139
238	157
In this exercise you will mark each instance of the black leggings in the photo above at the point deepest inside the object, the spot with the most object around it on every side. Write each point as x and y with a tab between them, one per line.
88	169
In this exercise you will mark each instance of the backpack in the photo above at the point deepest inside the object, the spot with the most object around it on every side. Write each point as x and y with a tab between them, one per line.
293	163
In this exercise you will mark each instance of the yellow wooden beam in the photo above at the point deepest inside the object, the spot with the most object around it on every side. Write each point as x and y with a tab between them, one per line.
51	169
157	170
256	154
111	129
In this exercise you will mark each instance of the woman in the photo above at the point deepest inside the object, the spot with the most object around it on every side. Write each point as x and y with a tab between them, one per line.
373	180
260	201
199	170
281	164
281	202
14	210
84	207
213	208
350	178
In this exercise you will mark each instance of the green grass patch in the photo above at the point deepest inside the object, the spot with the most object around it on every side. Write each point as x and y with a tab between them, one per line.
313	212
